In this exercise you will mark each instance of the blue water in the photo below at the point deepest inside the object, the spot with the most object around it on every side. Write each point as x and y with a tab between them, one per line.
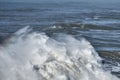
98	23
101	22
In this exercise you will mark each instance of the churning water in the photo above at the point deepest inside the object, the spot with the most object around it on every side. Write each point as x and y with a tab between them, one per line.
35	56
55	47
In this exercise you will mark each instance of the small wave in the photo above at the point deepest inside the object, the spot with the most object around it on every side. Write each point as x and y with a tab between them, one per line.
102	22
35	56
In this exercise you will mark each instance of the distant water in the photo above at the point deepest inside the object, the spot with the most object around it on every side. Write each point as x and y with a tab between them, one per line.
46	49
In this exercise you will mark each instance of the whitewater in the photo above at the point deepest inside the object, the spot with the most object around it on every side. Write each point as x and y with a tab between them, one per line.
29	55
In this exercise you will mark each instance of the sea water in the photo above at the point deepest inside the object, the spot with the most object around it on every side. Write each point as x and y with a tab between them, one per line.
62	42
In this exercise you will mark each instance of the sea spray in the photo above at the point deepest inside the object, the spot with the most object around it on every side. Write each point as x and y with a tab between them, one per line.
35	56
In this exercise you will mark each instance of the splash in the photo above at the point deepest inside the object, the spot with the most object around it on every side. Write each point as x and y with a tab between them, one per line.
35	56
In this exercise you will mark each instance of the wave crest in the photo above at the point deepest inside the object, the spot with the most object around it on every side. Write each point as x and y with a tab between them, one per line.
35	56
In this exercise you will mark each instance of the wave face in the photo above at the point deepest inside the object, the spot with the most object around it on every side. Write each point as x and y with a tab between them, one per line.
35	56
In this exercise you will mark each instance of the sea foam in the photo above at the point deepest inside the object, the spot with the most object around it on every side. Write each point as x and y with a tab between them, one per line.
35	56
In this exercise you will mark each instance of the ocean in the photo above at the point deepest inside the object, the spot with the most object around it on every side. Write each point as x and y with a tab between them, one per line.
59	41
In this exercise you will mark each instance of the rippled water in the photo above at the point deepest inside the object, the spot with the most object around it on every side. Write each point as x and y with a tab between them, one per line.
99	24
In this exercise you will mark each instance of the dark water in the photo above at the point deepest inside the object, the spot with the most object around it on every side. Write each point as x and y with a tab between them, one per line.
98	23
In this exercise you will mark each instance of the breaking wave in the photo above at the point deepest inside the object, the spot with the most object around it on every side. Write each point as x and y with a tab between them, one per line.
35	56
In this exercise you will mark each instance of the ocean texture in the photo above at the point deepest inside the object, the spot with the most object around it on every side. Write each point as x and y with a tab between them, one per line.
59	41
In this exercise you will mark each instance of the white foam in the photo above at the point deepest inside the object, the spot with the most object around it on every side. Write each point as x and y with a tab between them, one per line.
35	56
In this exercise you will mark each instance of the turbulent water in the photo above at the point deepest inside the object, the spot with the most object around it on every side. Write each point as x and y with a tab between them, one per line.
62	42
35	56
